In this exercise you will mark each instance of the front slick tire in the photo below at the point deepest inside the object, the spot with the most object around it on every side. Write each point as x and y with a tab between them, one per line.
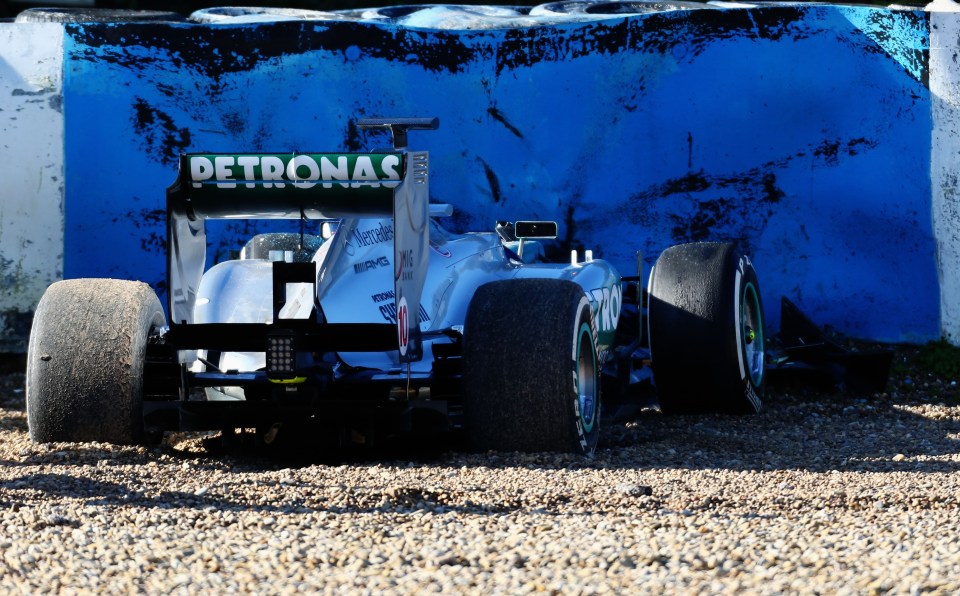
85	361
530	368
706	331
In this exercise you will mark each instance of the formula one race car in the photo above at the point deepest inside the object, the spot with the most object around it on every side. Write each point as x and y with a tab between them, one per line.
383	324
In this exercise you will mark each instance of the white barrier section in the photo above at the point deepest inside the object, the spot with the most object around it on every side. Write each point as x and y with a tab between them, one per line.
945	157
31	167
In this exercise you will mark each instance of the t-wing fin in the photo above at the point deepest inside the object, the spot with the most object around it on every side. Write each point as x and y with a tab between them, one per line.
399	126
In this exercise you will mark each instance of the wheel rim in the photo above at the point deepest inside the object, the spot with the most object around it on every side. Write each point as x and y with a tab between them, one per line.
751	330
586	378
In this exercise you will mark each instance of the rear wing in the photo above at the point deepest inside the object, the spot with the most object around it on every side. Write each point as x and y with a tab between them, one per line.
290	186
391	183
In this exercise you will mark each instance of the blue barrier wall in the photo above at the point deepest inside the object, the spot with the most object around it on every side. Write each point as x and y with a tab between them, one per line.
801	132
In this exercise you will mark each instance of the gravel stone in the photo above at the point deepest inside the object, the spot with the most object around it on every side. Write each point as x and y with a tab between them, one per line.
820	493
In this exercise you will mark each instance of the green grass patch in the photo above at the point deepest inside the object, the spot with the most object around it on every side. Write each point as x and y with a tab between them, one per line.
941	359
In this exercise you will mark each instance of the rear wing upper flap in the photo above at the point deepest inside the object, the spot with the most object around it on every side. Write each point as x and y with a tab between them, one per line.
290	185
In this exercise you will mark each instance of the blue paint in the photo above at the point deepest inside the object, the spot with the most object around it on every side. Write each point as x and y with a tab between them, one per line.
803	133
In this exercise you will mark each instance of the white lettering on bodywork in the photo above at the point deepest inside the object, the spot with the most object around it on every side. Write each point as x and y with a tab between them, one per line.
222	164
247	162
607	302
271	168
201	169
293	171
334	172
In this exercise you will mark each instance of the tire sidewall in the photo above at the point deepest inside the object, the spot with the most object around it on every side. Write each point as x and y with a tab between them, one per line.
746	289
586	427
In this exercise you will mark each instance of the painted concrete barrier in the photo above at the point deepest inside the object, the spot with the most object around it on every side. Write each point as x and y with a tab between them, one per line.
818	137
32	166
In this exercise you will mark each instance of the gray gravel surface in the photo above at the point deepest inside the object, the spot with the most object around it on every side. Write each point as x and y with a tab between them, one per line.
821	493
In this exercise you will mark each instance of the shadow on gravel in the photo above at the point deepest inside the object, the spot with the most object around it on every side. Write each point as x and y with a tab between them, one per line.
816	432
97	492
18	424
301	499
914	428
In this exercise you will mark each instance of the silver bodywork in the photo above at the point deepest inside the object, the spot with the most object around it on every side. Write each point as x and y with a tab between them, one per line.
356	283
390	265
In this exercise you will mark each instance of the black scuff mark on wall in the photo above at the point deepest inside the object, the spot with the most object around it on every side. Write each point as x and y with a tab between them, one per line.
854	146
152	223
154	243
524	47
10	272
559	251
570	242
773	23
728	207
461	220
921	60
234	123
499	116
436	51
492	181
652	33
831	150
771	192
167	90
700	227
54	101
214	51
693	182
262	133
735	208
164	141
160	287
353	138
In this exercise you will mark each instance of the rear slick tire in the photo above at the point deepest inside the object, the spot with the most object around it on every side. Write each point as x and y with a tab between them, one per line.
530	368
86	358
705	323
